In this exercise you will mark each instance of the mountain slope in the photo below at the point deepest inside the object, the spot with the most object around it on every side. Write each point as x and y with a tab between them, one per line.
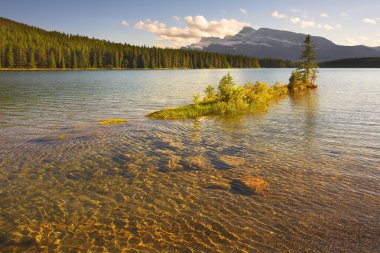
270	43
352	63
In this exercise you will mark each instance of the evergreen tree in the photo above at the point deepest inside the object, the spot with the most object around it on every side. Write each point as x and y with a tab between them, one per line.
100	59
74	65
63	62
1	55
304	77
31	59
9	57
21	57
226	87
295	82
52	62
134	63
42	60
308	67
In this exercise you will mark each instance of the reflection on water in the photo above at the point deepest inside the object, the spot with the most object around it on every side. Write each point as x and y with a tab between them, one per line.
67	183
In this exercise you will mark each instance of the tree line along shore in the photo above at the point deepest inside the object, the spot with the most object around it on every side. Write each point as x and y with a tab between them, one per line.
26	47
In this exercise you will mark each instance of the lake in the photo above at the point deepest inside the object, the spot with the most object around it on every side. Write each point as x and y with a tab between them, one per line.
69	184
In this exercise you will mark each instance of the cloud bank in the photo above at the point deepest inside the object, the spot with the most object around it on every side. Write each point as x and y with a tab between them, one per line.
278	15
195	28
369	21
304	22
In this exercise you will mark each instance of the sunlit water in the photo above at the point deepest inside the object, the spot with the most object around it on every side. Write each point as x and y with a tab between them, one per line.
67	183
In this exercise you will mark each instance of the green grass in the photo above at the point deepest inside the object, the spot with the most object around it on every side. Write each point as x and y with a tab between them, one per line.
183	112
106	122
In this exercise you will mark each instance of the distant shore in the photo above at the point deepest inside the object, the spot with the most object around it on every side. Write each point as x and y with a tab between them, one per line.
94	69
333	64
78	69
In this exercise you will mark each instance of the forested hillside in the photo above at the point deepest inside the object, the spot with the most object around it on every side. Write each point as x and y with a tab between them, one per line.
23	46
353	63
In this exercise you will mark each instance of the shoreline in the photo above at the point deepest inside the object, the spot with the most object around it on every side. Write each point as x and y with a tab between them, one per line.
93	69
141	69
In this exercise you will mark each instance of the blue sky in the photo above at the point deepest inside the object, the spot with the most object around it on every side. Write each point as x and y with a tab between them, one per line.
176	23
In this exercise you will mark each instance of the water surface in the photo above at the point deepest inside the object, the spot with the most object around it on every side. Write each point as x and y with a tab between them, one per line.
67	183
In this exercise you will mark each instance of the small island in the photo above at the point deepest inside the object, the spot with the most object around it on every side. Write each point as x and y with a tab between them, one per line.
230	100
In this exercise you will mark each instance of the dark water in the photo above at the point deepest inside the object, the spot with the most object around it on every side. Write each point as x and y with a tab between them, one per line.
69	184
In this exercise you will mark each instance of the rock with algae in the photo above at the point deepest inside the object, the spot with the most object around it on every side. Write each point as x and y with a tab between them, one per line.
249	185
174	162
106	122
196	163
232	161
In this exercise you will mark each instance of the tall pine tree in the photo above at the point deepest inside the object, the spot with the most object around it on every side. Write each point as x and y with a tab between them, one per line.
304	77
308	67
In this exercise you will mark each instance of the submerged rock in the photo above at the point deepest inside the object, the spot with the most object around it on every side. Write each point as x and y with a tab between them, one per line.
218	186
233	161
174	162
196	163
249	185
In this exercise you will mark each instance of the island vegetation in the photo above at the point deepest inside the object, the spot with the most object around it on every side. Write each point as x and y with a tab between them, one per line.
229	99
27	47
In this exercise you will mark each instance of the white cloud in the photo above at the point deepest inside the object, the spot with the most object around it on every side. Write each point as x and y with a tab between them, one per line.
328	27
350	42
243	11
362	40
295	20
278	15
298	11
344	14
196	28
325	26
159	45
369	21
306	24
176	18
125	22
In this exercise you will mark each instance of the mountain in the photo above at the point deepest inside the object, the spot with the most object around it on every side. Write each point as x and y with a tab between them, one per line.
270	43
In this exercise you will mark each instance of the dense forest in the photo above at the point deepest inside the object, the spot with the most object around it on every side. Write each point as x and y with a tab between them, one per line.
23	46
352	63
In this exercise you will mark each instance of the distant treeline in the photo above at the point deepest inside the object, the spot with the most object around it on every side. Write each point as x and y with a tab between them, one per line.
352	63
23	46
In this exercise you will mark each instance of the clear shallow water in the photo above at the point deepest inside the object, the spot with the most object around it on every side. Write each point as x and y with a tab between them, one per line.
67	183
